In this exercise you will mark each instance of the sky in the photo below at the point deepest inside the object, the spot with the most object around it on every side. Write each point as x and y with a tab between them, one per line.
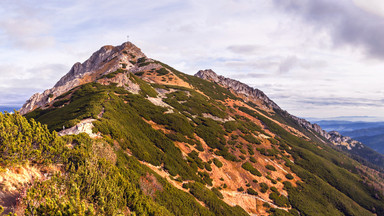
314	58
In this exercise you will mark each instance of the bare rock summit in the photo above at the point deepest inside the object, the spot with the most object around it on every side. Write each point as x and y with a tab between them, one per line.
104	61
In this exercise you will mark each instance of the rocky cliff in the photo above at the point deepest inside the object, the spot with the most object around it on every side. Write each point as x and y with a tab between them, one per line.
104	61
238	87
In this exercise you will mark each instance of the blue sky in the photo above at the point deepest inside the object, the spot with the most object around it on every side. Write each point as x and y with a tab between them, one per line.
315	58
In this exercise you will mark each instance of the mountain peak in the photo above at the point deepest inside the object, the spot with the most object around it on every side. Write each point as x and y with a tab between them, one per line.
208	74
102	62
107	59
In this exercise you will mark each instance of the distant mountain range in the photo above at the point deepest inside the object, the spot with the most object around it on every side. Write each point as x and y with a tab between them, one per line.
369	133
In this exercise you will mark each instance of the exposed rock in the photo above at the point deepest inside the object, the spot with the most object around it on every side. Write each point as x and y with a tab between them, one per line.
334	137
85	126
122	80
207	115
348	142
99	59
158	102
308	125
106	60
238	87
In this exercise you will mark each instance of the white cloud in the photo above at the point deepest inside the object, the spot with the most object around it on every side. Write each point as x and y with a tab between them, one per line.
373	6
291	59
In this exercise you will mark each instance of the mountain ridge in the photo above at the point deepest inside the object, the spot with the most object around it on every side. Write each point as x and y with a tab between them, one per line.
333	136
189	146
129	57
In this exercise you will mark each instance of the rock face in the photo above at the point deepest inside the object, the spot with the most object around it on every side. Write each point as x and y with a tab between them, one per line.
85	126
104	61
255	94
121	80
238	87
348	142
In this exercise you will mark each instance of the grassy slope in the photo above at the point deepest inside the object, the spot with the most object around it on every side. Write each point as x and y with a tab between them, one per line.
331	185
328	176
123	121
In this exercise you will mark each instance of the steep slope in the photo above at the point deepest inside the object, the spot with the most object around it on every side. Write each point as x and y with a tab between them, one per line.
349	145
106	60
167	143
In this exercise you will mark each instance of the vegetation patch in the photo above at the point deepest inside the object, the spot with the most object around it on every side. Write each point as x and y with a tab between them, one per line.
217	162
270	167
250	191
162	72
248	166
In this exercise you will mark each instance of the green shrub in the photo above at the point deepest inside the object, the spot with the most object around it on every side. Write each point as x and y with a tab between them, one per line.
274	189
287	185
141	60
145	88
217	192
270	167
263	187
271	179
60	102
162	72
113	74
25	141
143	64
252	192
216	205
279	200
250	150
289	176
251	138
252	159
248	166
207	166
217	162
230	126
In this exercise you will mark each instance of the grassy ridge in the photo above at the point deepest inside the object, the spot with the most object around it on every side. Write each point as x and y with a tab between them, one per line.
331	185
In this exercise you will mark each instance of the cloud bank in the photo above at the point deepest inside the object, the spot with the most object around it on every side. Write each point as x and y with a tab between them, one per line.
347	23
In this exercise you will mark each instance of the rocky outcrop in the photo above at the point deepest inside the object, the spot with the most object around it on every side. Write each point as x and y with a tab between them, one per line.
208	115
85	126
308	125
104	61
121	80
99	60
333	136
338	139
238	87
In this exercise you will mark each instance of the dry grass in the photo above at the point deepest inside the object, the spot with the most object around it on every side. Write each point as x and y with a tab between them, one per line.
16	180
